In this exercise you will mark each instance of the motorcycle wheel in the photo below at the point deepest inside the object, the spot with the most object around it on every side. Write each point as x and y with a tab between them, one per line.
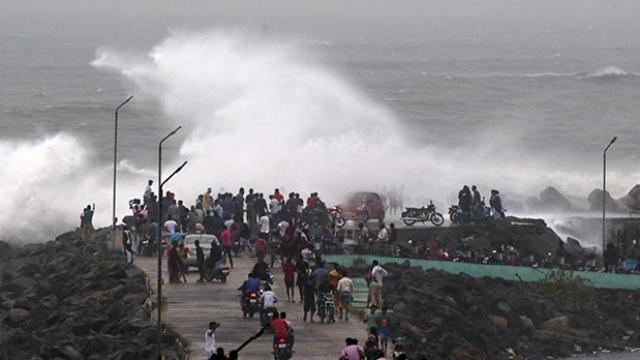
437	219
454	217
408	222
224	279
340	223
208	274
251	314
331	316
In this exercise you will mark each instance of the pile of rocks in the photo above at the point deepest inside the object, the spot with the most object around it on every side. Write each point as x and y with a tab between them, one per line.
446	316
73	299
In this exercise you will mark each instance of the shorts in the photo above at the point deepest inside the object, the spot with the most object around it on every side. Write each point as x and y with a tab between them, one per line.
309	306
289	283
346	298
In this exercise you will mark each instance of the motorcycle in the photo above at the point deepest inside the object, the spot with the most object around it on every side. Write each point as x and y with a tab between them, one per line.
480	213
335	214
326	308
267	315
282	349
219	271
251	305
412	215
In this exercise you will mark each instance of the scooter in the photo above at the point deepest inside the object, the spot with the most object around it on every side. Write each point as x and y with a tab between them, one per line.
219	271
412	215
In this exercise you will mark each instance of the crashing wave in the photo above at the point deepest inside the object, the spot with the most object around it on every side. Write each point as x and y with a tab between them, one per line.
609	72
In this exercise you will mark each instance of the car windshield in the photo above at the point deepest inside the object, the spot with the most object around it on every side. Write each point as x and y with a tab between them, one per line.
205	240
359	197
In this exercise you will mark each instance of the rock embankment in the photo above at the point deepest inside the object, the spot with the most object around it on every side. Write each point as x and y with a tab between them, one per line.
72	299
446	316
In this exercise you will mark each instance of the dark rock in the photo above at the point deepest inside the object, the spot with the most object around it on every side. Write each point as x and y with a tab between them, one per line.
595	202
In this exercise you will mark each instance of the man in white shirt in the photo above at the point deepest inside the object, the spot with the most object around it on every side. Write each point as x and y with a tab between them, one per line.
265	224
268	298
171	226
210	339
148	191
306	254
382	240
375	288
274	205
345	293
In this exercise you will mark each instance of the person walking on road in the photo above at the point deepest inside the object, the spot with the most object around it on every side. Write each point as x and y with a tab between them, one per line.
352	351
345	294
289	278
200	259
227	244
375	288
210	339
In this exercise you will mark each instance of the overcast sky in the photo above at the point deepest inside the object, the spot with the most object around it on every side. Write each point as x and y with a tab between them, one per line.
348	8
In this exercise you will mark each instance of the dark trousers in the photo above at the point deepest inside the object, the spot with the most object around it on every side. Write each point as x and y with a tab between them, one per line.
227	252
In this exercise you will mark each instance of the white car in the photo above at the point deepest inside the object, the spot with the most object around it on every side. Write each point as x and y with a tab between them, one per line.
205	244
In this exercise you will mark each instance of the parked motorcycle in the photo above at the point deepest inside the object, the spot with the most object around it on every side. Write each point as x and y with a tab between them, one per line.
412	215
219	271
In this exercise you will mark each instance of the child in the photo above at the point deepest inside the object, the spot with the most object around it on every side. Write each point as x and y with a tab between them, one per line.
384	329
371	319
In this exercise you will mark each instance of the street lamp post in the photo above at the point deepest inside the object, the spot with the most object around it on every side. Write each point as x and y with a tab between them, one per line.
115	160
604	189
159	274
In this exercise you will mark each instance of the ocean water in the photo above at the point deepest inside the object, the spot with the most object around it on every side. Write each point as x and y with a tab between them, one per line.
326	103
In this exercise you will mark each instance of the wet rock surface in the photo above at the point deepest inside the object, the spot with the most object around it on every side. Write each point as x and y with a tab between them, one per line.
74	299
446	316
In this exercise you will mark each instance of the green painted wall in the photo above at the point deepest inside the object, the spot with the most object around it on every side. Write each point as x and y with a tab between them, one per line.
513	273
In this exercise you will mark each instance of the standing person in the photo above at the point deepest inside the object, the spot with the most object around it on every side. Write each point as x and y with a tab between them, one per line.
86	222
393	239
309	300
382	241
261	206
183	216
171	226
227	244
464	200
476	198
250	200
127	242
148	191
172	262
289	276
277	195
370	320
384	329
345	293
182	256
260	247
610	258
265	225
375	289
352	351
496	205
210	339
371	348
239	202
302	270
207	199
200	259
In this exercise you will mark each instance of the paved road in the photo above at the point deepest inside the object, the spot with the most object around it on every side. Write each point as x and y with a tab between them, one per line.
193	305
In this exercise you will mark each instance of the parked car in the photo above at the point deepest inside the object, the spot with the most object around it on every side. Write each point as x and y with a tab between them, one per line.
205	244
364	205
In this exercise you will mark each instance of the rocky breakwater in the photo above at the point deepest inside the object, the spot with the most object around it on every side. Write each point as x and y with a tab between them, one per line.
446	316
73	299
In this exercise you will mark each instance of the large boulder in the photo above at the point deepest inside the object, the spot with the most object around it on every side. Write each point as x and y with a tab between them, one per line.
632	199
553	200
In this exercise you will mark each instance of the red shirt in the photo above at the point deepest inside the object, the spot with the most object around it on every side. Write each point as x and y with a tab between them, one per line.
261	244
280	328
226	238
278	196
289	270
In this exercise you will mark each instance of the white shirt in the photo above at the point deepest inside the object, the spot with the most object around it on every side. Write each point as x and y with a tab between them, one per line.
377	274
306	255
147	191
268	299
171	226
228	224
264	224
345	284
275	206
383	235
209	341
282	228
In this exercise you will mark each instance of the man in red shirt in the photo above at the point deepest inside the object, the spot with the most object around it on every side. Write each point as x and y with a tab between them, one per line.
277	195
289	271
227	244
281	328
260	248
